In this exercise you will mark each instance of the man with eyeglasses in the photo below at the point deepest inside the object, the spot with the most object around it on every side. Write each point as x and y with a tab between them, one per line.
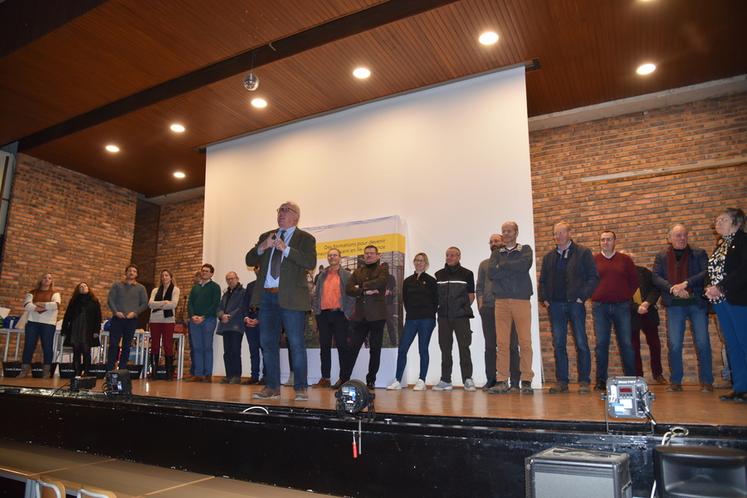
283	255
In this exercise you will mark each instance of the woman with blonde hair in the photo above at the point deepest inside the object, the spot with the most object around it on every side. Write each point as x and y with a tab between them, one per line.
41	304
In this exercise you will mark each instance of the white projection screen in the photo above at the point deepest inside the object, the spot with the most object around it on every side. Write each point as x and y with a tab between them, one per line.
452	161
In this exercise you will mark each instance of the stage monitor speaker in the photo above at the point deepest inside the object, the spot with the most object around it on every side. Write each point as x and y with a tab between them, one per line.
570	473
700	471
118	383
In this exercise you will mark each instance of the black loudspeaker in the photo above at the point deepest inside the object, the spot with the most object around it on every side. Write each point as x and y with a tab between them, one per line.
67	371
135	370
98	370
37	370
161	373
11	368
700	471
118	383
574	473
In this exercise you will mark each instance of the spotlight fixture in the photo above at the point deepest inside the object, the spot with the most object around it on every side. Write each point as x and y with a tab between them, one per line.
251	82
352	398
628	397
361	72
178	128
488	38
259	103
645	69
112	148
180	175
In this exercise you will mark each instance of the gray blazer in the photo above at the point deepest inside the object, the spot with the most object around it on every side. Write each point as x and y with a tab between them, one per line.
234	307
293	293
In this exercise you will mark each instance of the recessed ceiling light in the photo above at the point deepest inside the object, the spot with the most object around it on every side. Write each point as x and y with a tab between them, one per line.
488	38
112	148
361	73
259	103
179	174
646	68
178	128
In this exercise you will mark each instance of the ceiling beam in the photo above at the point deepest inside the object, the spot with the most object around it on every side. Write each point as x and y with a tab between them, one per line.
336	29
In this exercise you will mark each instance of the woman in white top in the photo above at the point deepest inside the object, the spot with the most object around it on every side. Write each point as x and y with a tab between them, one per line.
162	303
41	305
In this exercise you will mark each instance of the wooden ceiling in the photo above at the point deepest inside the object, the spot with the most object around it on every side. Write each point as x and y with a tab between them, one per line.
123	70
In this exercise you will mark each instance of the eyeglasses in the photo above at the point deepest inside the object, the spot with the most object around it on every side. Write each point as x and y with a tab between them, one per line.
723	219
286	209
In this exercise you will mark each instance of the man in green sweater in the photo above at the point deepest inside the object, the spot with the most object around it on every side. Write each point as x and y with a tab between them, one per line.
204	299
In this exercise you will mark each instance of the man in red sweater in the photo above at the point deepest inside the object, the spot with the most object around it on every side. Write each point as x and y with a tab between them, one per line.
618	281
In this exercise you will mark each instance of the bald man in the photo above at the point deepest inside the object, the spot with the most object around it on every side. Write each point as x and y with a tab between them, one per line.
231	327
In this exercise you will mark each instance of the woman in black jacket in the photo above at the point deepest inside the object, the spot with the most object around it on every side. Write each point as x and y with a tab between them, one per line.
727	290
81	326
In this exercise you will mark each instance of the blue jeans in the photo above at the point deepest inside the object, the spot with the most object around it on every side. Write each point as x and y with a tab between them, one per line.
676	317
34	331
252	338
733	321
605	315
202	345
272	317
232	352
122	329
423	328
560	314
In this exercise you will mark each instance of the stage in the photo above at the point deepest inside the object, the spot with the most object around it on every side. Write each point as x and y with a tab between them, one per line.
421	443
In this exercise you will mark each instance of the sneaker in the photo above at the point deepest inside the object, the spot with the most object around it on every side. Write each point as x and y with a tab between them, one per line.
234	380
267	393
601	385
419	385
560	387
469	385
500	387
514	389
394	386
673	388
225	380
526	387
488	385
302	394
706	388
289	382
442	386
322	383
659	379
583	388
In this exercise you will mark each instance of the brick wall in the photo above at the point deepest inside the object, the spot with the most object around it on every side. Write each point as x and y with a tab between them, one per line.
145	242
180	245
67	224
639	210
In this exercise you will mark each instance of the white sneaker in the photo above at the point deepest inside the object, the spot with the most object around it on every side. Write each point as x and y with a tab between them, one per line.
419	385
469	385
289	382
442	386
394	386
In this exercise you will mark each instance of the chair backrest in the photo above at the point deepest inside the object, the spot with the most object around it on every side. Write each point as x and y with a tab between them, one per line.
89	492
49	488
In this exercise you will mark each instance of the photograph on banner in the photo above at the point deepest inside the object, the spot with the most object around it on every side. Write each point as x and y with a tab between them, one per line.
351	238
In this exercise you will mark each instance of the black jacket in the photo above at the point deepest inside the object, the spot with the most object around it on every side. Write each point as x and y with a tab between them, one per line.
583	277
734	284
420	296
92	310
372	307
650	294
455	284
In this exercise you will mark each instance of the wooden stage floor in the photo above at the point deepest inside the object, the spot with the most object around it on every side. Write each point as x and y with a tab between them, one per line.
690	407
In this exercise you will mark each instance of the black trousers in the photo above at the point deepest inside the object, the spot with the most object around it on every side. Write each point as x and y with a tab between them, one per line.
447	328
374	331
332	323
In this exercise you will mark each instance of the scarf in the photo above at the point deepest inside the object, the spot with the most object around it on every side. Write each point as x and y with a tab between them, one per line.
167	297
677	271
42	296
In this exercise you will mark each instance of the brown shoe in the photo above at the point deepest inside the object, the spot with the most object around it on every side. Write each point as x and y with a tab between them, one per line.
267	393
207	378
322	383
560	387
225	380
674	388
250	381
659	379
706	388
583	388
195	378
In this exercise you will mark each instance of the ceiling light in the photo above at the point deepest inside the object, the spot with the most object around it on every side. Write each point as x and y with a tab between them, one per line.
251	82
361	73
180	175
646	68
488	38
112	148
178	128
259	103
